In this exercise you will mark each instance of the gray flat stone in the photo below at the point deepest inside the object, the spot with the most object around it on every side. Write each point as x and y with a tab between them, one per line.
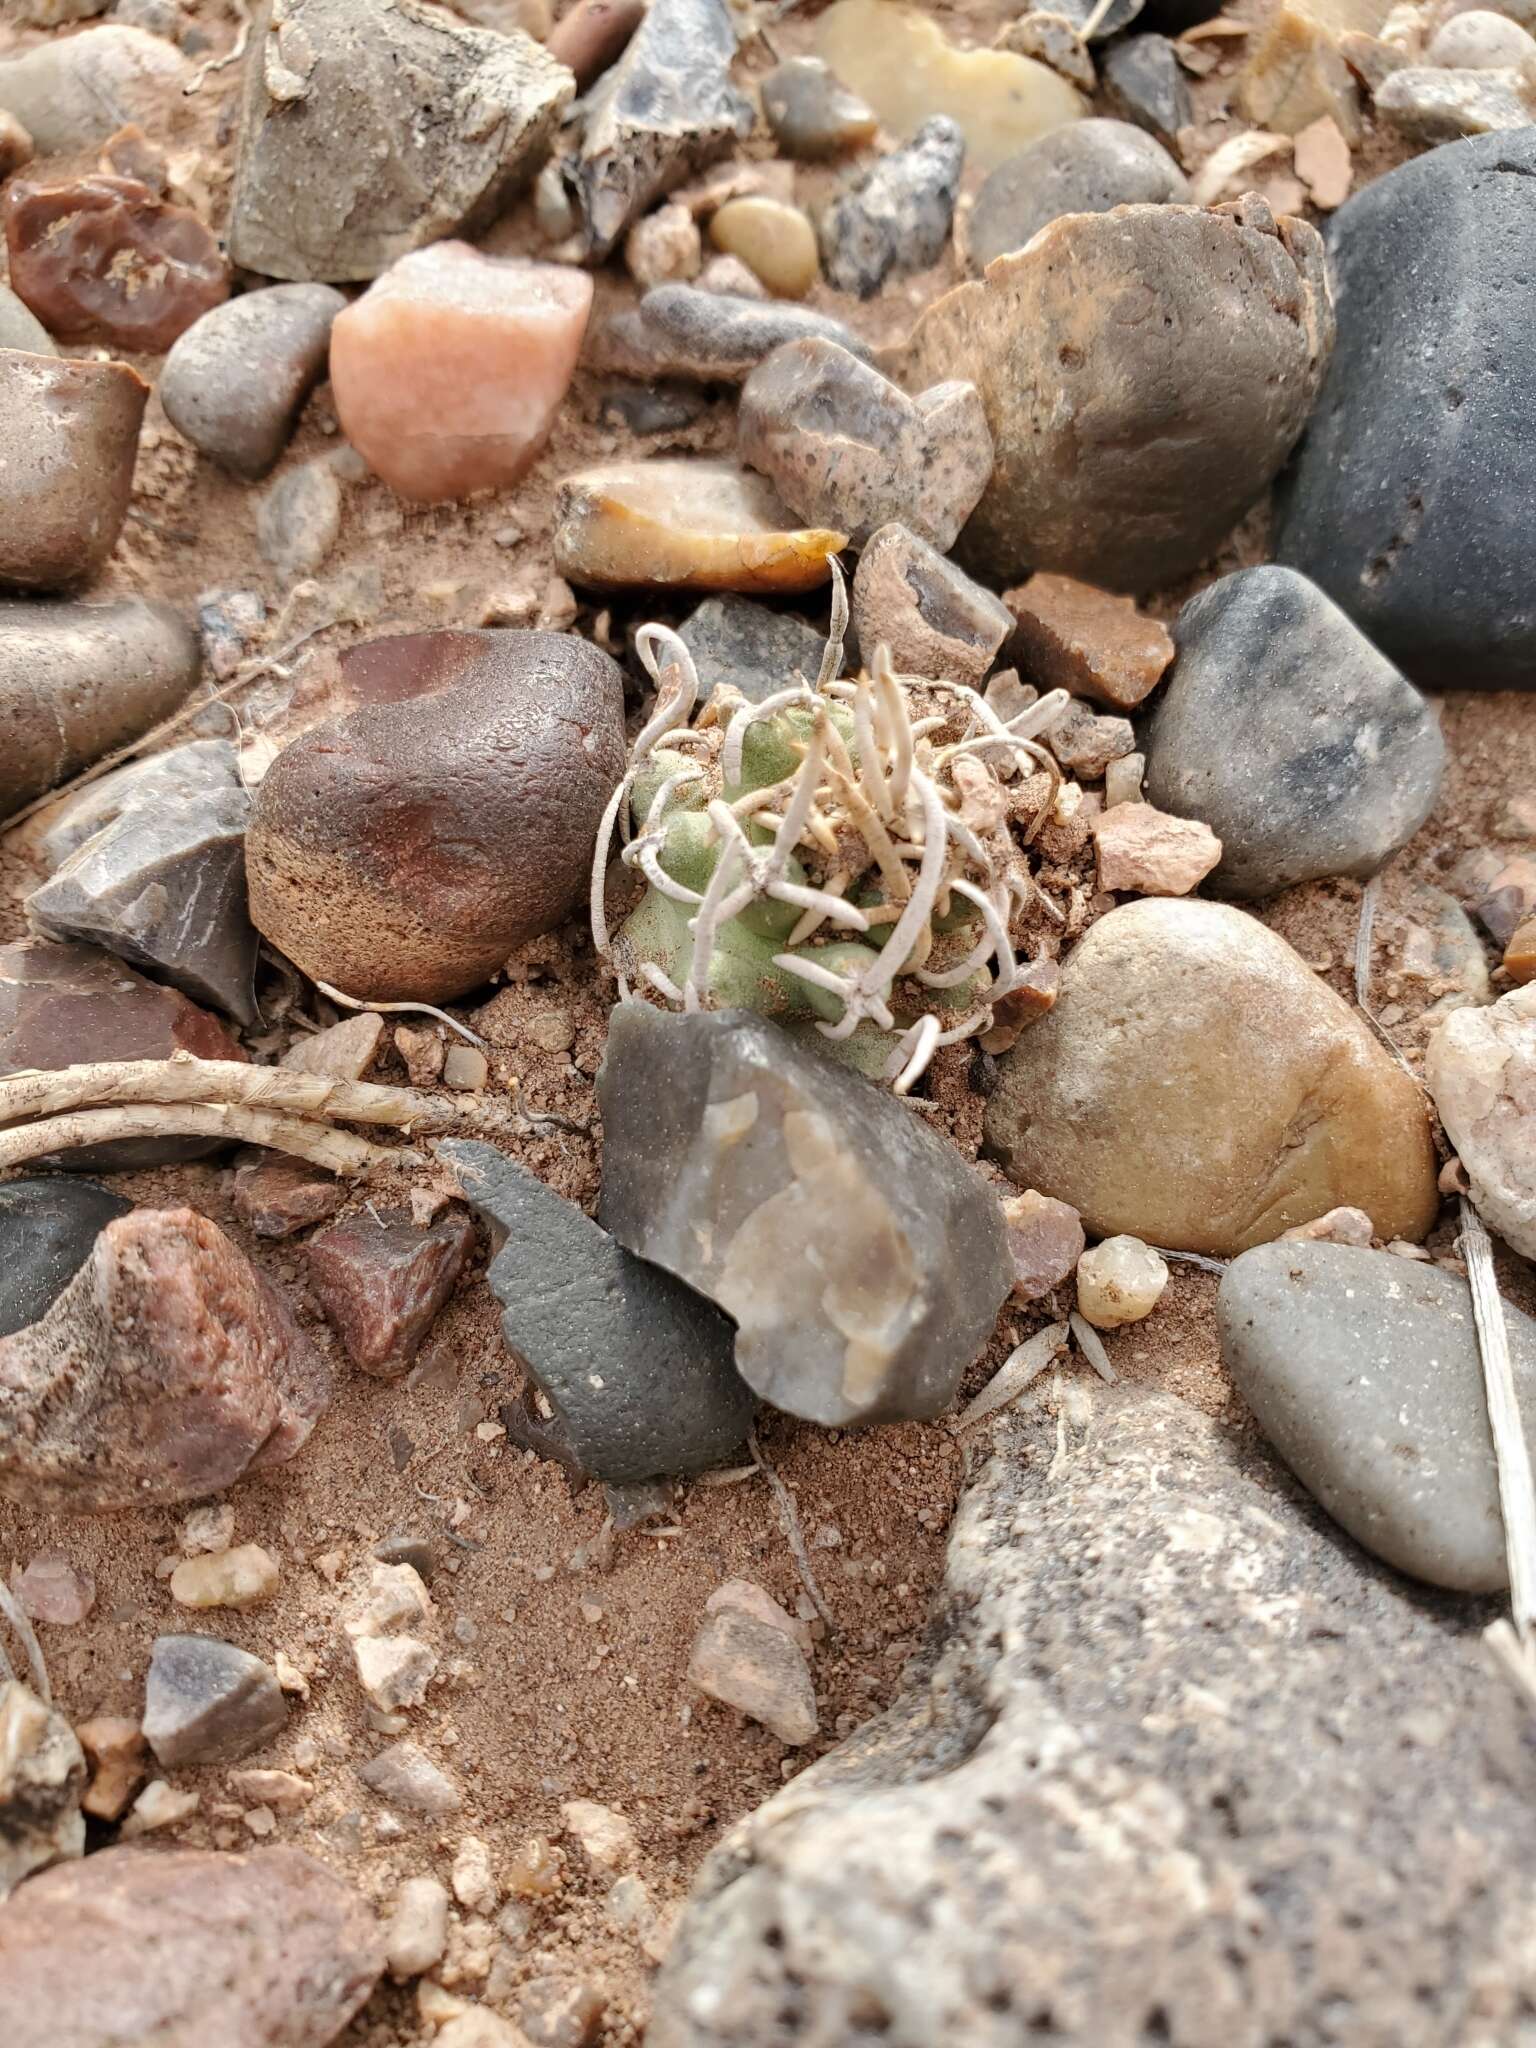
680	330
1086	167
736	641
812	116
206	1702
1290	735
637	1367
73	92
233	384
1364	1373
895	217
863	1260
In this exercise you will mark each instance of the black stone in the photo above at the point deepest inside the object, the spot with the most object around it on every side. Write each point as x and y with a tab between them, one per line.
638	1368
1412	500
1301	746
47	1228
1145	84
754	649
1086	167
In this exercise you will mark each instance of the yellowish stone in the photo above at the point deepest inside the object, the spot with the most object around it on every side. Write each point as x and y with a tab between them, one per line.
776	242
904	65
1297	74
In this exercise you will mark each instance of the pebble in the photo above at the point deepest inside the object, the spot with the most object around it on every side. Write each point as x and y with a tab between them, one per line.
811	116
42	1774
53	1588
1123	780
1520	953
473	1877
741	645
1338	1226
1072	637
466	1069
104	259
207	1702
1480	40
19	328
837	1172
48	1227
1146	850
664	248
753	1662
1119	1281
592	35
775	241
207	1529
900	60
684	524
394	1671
165	1369
667	108
934	619
479	2028
1323	163
74	92
708	333
416	1932
404	1776
115	1749
846	448
1296	73
1144	84
896	216
1117	463
635	1366
1507	898
234	384
1087	168
607	1838
342	1052
1480	1067
244	1577
1286	731
1429	106
1198	1087
1055	42
402	852
375	127
1412	501
448	373
196	769
1085	743
261	1949
69	436
1045	1242
298	521
158	1806
1442	950
394	1595
1364	1373
381	1281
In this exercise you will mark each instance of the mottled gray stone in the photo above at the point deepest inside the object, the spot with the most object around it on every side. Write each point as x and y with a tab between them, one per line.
1430	105
373	127
681	330
1364	1373
666	108
48	1226
1086	167
21	328
1412	500
73	92
736	641
935	619
197	768
1181	1768
812	116
848	449
233	384
895	217
405	1776
206	1702
163	887
1144	82
1283	728
298	520
863	1260
637	1367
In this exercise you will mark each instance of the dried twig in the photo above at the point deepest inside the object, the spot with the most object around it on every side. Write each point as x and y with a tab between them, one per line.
1517	1493
411	1009
231	56
1093	1347
789	1516
14	1613
336	1151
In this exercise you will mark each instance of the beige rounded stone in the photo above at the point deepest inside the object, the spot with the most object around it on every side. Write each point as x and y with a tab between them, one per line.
1120	1281
1197	1086
776	242
69	434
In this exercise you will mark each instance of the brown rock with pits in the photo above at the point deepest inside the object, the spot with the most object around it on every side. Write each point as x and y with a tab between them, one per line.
402	852
69	434
103	259
1073	637
381	1281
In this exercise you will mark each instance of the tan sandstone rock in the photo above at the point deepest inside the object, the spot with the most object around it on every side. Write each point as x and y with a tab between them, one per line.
1481	1070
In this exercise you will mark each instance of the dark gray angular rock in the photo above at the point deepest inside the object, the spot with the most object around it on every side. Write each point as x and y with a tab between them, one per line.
163	888
1145	84
1284	729
373	127
666	108
663	408
1364	1373
897	216
207	1702
1412	499
637	1367
47	1229
233	384
863	1260
1086	167
1183	1768
200	767
752	648
678	330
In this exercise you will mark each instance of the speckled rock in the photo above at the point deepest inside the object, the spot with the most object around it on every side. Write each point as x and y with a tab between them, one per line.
1088	167
196	768
846	448
69	436
1197	1086
42	1775
1480	1067
935	620
813	117
402	852
1481	40
73	92
896	216
1020	1847
1129	441
712	337
755	650
373	127
207	1702
1284	729
235	381
773	1163
381	1280
745	1655
1429	105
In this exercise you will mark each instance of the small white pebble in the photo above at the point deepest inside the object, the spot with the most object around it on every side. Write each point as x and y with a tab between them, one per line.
472	1878
416	1933
226	1578
1119	1281
159	1805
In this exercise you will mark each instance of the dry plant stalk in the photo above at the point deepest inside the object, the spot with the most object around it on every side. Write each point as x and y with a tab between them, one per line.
1511	1646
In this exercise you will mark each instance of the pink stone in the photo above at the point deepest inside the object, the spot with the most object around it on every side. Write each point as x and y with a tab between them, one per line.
53	1589
381	1282
1045	1241
448	372
1152	852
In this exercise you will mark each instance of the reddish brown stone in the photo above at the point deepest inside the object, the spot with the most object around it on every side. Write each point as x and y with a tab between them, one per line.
1045	1241
102	259
1074	637
166	1369
592	35
61	1006
382	1282
276	1196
